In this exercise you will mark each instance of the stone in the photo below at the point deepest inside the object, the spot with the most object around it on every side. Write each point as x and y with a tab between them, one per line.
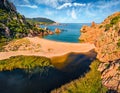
57	30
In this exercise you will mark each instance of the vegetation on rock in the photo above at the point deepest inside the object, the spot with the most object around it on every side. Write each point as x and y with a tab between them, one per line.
39	20
118	44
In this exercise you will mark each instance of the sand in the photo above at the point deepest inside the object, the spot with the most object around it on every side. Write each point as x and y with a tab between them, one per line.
50	48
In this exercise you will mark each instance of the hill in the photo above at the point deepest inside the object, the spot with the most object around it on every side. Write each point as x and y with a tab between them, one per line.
14	25
40	20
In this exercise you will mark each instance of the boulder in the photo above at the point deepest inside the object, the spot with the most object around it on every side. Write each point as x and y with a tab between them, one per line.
45	33
93	24
57	30
50	32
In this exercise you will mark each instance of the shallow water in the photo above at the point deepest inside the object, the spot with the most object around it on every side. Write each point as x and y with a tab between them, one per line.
19	81
70	32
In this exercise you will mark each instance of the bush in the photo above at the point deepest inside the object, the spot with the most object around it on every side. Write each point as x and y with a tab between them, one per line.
115	20
107	26
118	44
100	26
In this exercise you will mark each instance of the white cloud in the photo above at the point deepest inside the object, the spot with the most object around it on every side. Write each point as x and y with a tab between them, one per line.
64	5
30	6
71	5
73	14
52	3
79	4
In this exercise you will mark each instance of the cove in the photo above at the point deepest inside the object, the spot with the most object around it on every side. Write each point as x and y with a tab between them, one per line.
68	68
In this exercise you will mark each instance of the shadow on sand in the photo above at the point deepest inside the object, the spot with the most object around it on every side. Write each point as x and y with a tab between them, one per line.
20	81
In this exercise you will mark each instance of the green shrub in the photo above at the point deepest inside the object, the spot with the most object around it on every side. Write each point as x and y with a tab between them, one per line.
107	66
100	26
115	20
118	44
3	15
118	68
107	26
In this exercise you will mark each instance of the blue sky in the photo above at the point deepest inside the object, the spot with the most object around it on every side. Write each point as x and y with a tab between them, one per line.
68	11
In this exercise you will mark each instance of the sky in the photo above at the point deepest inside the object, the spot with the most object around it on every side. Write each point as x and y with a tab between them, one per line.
68	11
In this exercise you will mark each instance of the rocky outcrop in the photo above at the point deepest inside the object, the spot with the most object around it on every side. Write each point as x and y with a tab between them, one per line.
14	25
57	30
111	74
90	34
5	4
106	38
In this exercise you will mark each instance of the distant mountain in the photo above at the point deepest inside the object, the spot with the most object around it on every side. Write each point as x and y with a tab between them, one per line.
41	20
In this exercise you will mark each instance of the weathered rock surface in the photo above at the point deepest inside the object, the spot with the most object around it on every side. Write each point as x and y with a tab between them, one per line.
111	75
12	24
106	37
5	4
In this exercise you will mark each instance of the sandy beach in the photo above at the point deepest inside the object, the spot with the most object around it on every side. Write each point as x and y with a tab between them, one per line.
50	48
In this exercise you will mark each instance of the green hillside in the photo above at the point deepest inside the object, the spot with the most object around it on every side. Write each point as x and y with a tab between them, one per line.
40	20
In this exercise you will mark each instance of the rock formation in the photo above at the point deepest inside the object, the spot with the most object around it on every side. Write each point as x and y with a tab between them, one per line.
5	4
57	30
106	37
14	25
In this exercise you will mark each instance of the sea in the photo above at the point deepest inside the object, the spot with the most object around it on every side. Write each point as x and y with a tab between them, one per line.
70	32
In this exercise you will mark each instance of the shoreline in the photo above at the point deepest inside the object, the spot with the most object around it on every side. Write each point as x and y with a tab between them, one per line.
50	48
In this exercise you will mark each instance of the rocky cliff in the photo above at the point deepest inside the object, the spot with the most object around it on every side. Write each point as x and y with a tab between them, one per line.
14	25
106	37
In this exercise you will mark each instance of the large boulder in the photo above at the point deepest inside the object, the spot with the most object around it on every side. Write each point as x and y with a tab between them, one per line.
57	30
50	32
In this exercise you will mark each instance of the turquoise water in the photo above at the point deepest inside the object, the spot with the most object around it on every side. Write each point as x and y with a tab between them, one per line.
70	32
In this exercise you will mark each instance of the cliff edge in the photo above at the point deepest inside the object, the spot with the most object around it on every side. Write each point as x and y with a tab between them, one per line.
106	38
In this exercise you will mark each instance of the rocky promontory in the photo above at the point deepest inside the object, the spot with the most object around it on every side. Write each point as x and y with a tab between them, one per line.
106	38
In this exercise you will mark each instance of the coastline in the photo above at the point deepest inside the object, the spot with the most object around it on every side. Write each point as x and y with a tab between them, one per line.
50	48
